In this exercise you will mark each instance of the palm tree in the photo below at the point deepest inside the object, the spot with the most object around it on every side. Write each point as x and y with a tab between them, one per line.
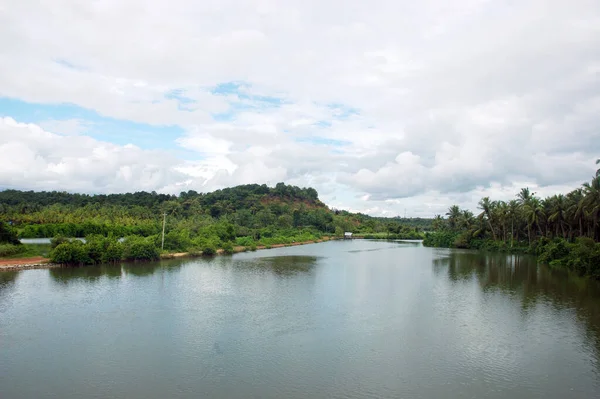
453	215
558	213
487	206
534	212
576	209
513	212
437	223
466	220
591	204
598	171
525	195
502	216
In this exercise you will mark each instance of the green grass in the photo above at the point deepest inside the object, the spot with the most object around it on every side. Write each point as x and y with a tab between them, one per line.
31	250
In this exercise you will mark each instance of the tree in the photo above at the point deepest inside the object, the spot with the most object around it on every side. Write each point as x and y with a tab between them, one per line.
453	215
487	206
8	235
591	203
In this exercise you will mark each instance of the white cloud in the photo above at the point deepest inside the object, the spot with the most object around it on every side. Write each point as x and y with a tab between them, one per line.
453	99
33	158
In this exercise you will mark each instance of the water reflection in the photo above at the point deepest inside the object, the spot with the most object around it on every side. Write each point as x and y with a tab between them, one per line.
7	281
520	276
280	265
65	275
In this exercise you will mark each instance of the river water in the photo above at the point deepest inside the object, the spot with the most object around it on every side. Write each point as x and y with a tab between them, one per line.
344	319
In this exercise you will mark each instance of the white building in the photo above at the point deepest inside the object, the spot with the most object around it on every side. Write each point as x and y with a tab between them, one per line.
347	234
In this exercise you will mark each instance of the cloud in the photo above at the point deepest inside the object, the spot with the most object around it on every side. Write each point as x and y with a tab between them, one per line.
381	107
33	158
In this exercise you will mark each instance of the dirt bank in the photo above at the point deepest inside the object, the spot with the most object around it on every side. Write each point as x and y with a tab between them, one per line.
36	262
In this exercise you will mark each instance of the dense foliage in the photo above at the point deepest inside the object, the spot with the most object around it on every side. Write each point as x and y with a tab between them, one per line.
248	216
99	249
562	230
8	235
9	241
253	210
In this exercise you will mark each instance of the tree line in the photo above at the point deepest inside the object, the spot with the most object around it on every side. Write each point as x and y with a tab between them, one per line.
558	228
247	215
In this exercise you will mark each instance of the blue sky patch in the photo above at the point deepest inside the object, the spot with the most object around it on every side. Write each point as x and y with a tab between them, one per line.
116	131
323	141
245	101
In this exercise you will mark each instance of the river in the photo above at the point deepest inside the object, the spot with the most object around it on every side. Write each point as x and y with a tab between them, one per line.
343	319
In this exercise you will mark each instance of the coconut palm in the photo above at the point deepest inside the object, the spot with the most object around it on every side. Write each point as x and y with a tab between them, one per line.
513	213
558	213
591	204
453	214
487	207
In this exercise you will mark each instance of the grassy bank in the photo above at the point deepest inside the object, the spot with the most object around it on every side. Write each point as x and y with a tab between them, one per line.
9	251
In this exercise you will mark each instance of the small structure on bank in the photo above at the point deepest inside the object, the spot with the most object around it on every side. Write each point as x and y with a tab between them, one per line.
347	235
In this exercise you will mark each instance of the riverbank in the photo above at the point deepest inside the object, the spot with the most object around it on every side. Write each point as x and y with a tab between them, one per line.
36	262
239	248
40	262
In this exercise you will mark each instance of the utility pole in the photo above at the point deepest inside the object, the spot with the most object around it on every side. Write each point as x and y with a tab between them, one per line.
162	247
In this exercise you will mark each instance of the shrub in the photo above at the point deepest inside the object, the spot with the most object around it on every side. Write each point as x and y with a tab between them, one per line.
244	241
209	249
8	235
70	253
440	239
10	249
555	250
178	240
56	241
253	247
113	253
228	248
140	248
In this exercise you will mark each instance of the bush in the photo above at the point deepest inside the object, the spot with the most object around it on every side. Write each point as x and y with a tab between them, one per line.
228	248
56	241
552	251
252	247
139	248
244	241
8	235
10	249
178	240
440	239
209	249
71	253
112	253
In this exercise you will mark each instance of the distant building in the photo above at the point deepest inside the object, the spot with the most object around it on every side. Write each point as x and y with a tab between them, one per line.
347	235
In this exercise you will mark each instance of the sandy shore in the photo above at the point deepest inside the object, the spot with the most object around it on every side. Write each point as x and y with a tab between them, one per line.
39	262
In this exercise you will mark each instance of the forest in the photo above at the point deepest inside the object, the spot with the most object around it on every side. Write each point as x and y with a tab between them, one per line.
244	216
563	230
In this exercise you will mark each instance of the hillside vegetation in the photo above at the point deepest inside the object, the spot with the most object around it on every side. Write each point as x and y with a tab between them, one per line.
248	216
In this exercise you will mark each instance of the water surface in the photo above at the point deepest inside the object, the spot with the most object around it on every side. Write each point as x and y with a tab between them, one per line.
346	319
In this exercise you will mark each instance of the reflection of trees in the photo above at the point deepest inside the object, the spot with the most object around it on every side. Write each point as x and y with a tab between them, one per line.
282	265
7	281
520	276
142	269
65	275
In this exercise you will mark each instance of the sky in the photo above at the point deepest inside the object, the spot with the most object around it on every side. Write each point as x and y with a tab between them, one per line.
388	107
